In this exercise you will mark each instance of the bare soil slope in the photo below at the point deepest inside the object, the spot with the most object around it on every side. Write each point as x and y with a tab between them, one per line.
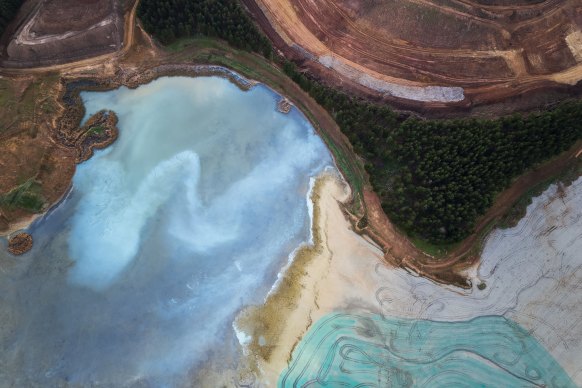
489	48
50	32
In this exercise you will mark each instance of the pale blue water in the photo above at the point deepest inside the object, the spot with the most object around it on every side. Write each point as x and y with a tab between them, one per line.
136	278
345	350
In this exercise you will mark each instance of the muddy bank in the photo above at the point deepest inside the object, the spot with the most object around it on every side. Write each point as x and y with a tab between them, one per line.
98	132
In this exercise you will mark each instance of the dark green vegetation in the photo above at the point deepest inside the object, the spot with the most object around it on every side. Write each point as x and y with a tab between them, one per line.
98	130
26	196
434	177
450	171
171	19
564	179
8	9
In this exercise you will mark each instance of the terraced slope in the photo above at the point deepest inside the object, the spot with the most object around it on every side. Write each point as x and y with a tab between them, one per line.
52	32
460	49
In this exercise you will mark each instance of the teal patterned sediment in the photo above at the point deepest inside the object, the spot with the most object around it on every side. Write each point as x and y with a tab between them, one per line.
344	350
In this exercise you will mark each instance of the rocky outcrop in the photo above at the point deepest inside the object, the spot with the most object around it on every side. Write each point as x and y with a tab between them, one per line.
20	243
99	132
284	105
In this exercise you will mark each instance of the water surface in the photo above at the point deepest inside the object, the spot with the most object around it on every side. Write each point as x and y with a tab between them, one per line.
135	279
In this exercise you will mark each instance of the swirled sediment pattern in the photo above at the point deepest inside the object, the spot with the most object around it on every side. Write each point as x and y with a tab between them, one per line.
345	350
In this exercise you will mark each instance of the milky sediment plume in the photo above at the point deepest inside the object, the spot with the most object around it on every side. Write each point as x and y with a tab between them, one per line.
189	216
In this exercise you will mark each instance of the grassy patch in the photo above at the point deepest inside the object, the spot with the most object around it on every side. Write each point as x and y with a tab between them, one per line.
20	111
436	250
26	196
7	106
98	130
4	92
184	43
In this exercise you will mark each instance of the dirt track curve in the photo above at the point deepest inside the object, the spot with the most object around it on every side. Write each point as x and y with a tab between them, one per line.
426	50
128	41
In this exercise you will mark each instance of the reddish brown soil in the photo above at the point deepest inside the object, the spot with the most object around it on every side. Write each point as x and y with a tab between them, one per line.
32	148
498	51
506	199
493	49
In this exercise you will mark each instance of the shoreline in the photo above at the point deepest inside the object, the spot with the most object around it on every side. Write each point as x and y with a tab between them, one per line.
364	209
304	244
74	110
36	218
269	332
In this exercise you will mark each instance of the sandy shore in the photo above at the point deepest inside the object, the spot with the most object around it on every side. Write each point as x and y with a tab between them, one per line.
327	276
20	225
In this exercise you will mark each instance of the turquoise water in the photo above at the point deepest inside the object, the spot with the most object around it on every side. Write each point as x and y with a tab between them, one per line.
135	279
344	350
